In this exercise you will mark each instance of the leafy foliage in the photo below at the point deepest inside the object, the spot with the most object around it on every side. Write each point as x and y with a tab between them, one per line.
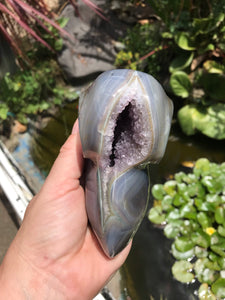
31	91
191	209
32	17
185	44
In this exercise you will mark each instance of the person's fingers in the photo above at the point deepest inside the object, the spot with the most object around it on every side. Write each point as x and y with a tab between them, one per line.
67	169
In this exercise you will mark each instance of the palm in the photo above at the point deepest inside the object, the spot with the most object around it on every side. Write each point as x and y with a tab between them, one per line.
54	236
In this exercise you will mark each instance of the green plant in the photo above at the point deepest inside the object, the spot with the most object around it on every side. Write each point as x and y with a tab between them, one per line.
191	209
18	17
31	91
185	47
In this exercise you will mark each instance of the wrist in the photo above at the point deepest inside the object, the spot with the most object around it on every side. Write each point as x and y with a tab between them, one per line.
20	280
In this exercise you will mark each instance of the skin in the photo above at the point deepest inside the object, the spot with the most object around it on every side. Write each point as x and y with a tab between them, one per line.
55	255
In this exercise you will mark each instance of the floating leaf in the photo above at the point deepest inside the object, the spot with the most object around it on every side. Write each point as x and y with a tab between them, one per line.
180	84
156	215
167	203
221	230
179	176
219	249
203	220
188	211
201	239
172	229
202	166
173	215
170	187
220	214
182	255
158	191
200	252
183	243
218	288
182	271
204	292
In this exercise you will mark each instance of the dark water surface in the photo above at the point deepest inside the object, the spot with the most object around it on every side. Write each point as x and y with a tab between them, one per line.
147	272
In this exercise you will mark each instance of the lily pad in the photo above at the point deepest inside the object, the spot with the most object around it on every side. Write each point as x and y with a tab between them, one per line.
172	230
204	220
170	187
202	166
201	239
158	191
183	243
200	252
188	211
182	255
221	230
218	288
167	203
204	292
156	215
220	214
182	271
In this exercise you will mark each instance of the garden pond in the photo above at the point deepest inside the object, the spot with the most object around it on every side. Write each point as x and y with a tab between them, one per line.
147	271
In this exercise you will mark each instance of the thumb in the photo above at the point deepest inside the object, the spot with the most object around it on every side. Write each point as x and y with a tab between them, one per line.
67	168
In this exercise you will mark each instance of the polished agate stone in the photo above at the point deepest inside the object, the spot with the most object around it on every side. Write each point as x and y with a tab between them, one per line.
124	123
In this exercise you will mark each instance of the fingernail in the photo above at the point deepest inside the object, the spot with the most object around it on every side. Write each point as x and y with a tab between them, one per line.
75	128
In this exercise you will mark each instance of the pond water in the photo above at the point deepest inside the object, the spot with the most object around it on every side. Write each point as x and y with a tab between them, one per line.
147	271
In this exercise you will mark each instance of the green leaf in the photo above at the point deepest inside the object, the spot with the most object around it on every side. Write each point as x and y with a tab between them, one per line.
200	239
202	166
170	187
213	85
182	271
173	215
180	84
3	111
181	62
204	292
214	67
218	288
182	255
221	230
184	41
183	243
172	230
188	211
201	252
219	249
210	121
156	215
220	215
158	191
204	220
167	203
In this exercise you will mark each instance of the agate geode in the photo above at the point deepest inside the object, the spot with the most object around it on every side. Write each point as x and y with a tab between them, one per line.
124	123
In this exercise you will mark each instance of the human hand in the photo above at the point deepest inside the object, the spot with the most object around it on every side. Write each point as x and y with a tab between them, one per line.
55	255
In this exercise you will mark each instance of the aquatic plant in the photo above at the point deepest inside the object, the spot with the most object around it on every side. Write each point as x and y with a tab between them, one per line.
191	209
